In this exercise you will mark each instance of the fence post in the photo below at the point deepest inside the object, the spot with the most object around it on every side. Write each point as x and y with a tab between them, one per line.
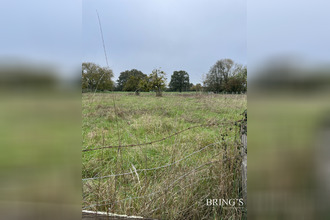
243	134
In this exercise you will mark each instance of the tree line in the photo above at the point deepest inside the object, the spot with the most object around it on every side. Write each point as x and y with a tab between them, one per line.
225	76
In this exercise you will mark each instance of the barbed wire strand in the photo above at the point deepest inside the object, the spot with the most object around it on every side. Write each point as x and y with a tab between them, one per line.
153	193
156	141
154	168
176	180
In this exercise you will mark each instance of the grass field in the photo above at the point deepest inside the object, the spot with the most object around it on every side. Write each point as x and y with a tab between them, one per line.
170	178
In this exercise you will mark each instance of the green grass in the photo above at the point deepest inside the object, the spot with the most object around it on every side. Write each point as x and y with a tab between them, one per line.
182	188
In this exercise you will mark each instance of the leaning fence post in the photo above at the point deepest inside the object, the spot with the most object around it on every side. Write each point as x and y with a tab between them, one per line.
243	134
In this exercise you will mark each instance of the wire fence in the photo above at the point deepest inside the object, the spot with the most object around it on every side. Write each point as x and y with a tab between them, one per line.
122	190
153	193
166	190
160	140
154	168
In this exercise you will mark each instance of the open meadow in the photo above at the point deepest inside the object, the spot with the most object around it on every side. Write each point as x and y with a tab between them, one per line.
162	157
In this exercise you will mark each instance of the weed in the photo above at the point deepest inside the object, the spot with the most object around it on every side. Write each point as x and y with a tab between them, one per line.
177	190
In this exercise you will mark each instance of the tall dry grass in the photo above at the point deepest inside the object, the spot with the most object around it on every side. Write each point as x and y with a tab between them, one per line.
176	191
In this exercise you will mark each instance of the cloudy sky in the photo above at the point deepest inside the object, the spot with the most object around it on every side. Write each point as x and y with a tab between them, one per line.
288	29
171	34
42	32
167	34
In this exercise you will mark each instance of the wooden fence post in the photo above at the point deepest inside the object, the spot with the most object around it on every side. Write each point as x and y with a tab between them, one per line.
243	134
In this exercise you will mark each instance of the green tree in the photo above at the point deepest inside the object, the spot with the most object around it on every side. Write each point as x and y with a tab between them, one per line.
238	81
144	85
179	81
124	78
157	81
96	77
191	85
84	82
198	87
134	83
218	75
224	75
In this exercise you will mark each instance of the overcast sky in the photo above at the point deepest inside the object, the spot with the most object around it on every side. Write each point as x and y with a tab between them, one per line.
167	34
285	30
172	34
42	32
